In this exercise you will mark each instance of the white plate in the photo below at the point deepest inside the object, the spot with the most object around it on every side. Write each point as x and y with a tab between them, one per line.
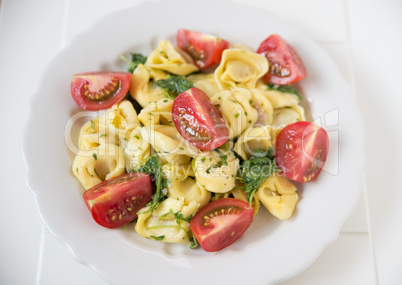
271	250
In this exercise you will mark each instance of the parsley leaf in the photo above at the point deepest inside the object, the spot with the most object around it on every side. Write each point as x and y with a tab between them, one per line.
153	168
284	89
174	84
136	59
254	171
158	237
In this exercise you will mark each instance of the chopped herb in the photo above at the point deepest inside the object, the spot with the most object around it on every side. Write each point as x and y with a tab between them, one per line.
157	237
237	115
254	171
102	135
174	85
93	124
181	148
137	137
223	156
233	100
136	59
249	121
177	215
203	159
154	169
284	89
76	169
95	156
165	100
250	101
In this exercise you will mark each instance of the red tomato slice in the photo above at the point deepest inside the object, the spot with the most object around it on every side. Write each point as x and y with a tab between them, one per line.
116	201
198	120
206	50
301	151
285	65
99	90
221	222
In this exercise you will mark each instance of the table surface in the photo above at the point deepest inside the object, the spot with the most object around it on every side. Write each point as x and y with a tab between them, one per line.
362	36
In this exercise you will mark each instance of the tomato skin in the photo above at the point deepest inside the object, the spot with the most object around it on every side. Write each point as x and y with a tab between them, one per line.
301	151
285	65
115	202
198	120
221	222
85	87
206	50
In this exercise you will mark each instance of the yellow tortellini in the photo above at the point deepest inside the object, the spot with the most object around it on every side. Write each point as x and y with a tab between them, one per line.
254	138
168	143
279	196
142	89
240	68
206	82
162	224
168	58
93	166
286	116
136	151
236	109
277	98
158	112
121	118
216	171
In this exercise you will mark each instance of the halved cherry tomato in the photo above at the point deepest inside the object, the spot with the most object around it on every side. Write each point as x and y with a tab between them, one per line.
285	65
99	90
206	50
116	201
198	120
221	222
301	151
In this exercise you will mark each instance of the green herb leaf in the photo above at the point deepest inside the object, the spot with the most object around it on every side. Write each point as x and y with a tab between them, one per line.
174	85
95	156
177	215
154	169
136	59
254	171
284	89
162	237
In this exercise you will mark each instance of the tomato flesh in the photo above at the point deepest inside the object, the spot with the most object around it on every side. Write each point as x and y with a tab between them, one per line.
95	91
198	120
115	202
221	222
285	65
301	151
206	50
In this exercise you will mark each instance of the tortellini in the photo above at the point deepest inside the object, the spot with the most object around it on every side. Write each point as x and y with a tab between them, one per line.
236	109
162	224
158	112
216	171
277	98
141	88
254	138
279	196
136	151
168	143
93	166
167	58
206	82
240	68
